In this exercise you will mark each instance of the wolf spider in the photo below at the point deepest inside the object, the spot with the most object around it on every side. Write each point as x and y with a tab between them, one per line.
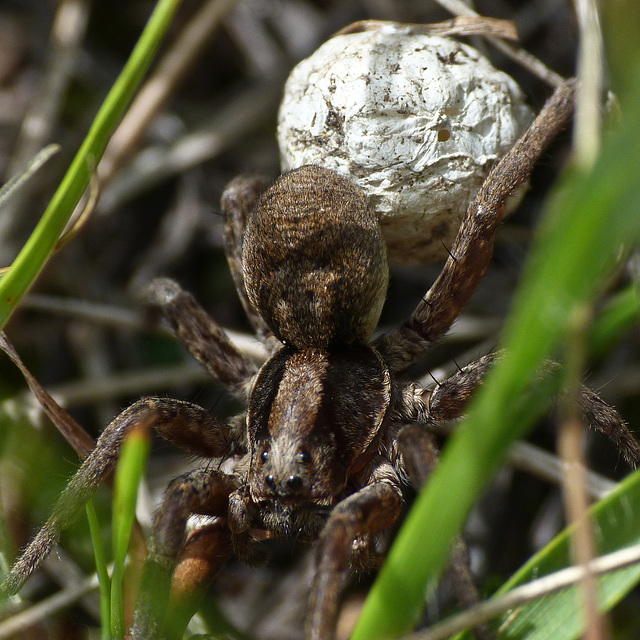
332	427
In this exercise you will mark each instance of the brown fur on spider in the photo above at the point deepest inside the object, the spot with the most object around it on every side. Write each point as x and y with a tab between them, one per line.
331	427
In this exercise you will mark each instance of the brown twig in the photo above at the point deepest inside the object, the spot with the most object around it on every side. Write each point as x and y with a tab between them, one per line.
458	26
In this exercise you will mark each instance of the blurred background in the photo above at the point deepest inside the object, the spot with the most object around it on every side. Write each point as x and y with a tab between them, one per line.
81	332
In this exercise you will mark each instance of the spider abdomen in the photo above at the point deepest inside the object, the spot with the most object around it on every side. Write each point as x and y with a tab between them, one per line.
314	260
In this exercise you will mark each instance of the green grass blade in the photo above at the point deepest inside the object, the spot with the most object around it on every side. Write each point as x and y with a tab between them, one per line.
129	472
33	256
585	225
616	520
101	569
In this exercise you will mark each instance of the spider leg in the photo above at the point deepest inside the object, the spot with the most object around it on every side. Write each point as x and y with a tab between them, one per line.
237	202
604	418
204	553
464	585
203	492
472	250
201	335
373	508
186	425
449	399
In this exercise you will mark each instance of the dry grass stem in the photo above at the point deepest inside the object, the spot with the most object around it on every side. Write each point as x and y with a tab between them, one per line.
169	73
42	116
459	26
66	36
535	66
18	181
231	123
527	593
588	116
549	467
571	439
75	435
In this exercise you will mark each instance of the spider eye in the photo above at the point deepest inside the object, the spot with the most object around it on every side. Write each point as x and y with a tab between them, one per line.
264	455
305	457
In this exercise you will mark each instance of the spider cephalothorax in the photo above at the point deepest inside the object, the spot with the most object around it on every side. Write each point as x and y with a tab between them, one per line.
332	427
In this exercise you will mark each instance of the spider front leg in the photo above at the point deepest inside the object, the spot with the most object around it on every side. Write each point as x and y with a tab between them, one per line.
472	250
372	509
201	335
186	425
190	568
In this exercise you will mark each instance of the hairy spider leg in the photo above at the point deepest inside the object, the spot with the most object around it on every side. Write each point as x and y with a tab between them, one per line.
205	340
449	400
419	456
373	508
186	425
473	247
176	569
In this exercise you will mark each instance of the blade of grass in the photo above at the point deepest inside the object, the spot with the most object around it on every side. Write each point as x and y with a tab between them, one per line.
619	314
585	224
616	521
531	586
131	466
101	570
33	256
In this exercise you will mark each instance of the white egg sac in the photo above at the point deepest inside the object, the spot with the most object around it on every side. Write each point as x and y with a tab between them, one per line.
417	121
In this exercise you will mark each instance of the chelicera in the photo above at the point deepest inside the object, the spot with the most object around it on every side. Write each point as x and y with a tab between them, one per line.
333	427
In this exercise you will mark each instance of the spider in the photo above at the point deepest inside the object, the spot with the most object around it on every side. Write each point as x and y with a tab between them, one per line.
333	426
